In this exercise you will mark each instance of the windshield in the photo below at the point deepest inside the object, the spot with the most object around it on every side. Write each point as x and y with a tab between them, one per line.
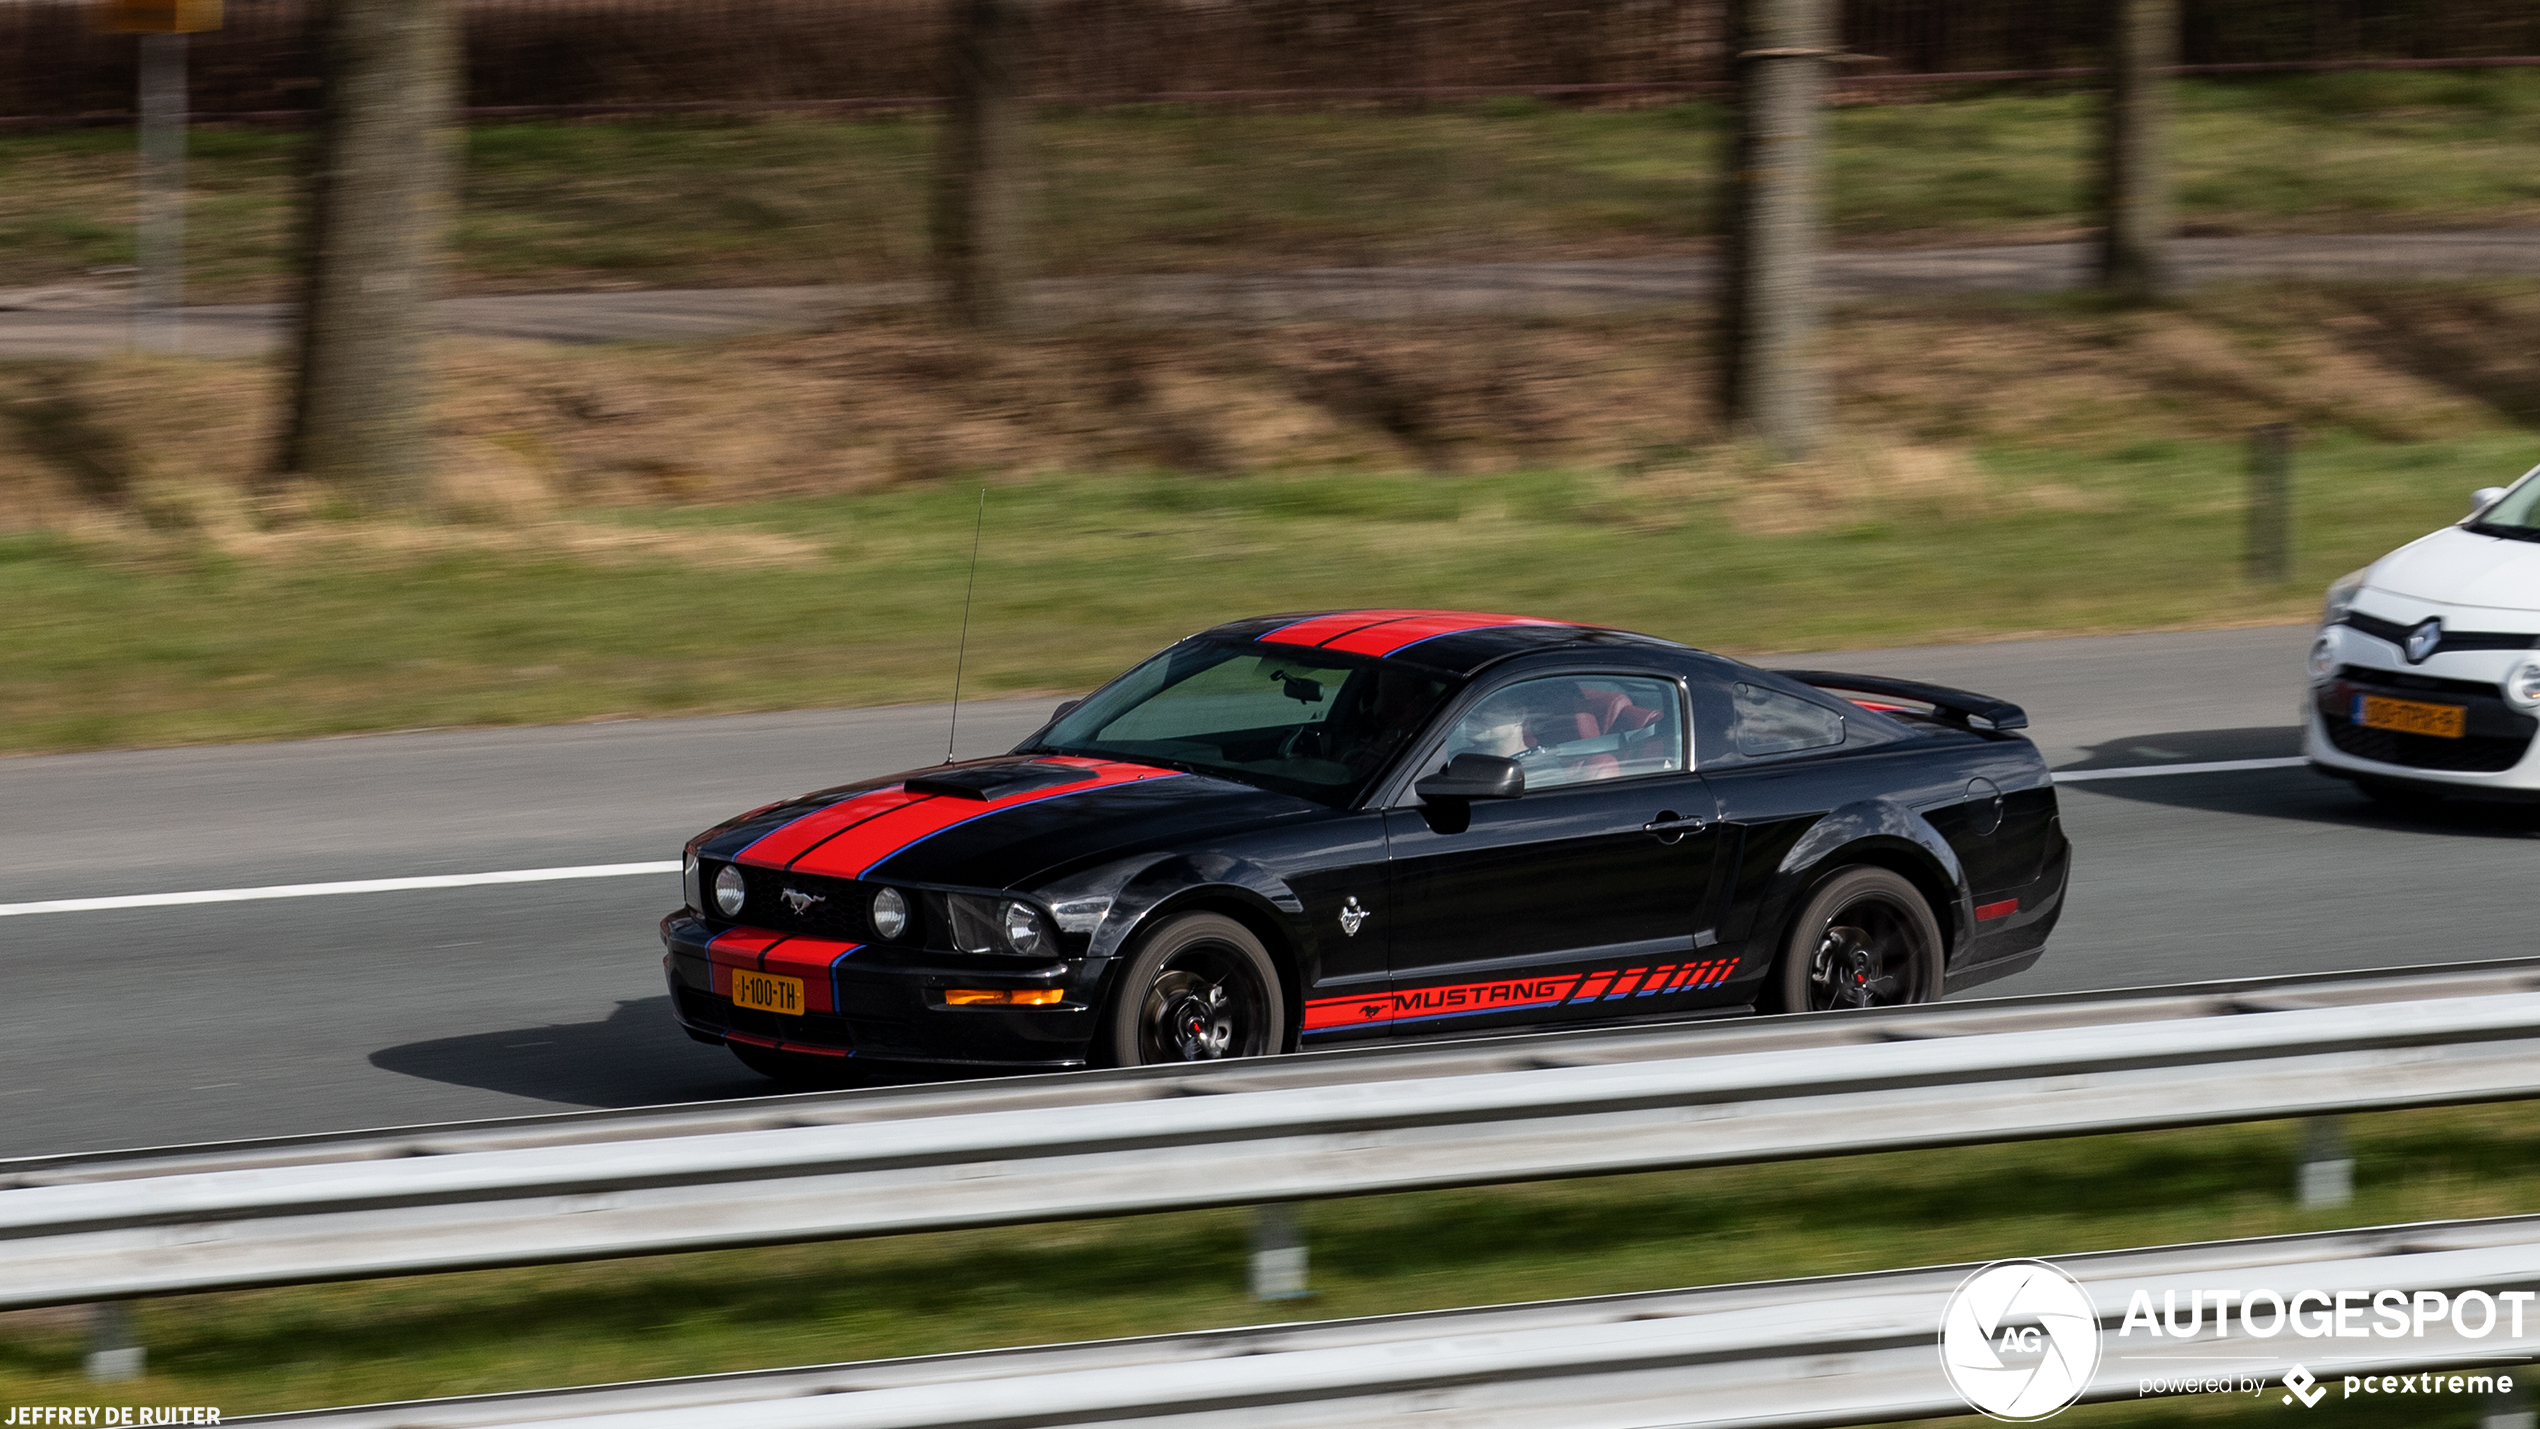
2516	513
1310	723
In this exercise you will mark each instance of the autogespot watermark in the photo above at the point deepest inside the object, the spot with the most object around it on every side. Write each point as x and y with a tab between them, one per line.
2021	1341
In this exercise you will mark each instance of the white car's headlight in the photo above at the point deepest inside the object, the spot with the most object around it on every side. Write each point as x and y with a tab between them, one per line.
2523	685
2341	596
2324	659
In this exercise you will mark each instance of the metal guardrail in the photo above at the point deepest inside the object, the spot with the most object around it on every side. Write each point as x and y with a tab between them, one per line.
553	1189
1837	1350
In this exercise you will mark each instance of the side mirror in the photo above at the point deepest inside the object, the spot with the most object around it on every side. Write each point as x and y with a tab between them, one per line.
1473	776
1061	712
2483	498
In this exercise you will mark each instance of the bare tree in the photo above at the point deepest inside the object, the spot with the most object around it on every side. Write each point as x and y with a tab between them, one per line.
376	211
1768	315
2134	152
977	217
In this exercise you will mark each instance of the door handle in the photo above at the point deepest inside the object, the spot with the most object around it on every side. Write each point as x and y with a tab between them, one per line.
1670	826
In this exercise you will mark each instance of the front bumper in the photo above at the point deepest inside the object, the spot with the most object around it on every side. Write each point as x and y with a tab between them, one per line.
881	1003
2496	756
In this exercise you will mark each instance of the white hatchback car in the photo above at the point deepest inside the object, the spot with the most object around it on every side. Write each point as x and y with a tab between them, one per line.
2425	678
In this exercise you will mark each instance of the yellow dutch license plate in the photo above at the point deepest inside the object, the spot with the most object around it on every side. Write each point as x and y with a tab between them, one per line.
2410	716
767	992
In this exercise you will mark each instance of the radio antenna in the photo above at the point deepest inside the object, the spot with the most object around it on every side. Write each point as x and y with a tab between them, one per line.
963	653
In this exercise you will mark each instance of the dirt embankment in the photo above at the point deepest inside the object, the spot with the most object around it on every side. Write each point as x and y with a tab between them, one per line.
531	430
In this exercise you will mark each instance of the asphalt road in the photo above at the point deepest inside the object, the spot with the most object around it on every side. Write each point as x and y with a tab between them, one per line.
87	321
146	1026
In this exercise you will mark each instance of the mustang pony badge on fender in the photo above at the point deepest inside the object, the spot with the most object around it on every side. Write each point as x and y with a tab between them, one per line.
1352	915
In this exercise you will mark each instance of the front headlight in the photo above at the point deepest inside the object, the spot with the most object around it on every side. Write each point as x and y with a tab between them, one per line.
730	892
890	914
1022	928
2341	596
2523	685
998	925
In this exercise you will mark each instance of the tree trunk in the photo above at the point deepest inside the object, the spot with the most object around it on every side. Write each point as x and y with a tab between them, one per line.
2135	217
376	208
1768	300
978	205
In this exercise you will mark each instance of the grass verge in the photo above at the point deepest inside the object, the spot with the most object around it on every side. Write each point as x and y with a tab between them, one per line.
720	203
271	1350
784	522
1081	576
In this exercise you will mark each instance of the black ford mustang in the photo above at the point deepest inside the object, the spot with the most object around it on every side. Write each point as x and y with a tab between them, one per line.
1378	824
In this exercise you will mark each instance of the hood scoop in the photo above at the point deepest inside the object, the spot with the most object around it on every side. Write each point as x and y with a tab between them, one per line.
996	781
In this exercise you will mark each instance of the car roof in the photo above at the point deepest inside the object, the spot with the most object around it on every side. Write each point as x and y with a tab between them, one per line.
1456	642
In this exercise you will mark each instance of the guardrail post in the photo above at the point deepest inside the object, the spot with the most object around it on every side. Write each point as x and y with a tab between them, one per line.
1278	1253
2327	1175
114	1352
2270	555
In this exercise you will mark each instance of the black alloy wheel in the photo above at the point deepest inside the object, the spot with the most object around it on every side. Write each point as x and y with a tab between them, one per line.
1865	939
1201	988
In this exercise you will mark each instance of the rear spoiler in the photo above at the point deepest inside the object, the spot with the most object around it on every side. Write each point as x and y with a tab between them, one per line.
1956	706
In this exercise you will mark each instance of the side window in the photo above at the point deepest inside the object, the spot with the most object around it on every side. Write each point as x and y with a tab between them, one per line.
1573	729
1770	722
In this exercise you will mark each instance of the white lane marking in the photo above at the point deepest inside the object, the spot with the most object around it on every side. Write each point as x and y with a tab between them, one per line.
326	890
2146	771
621	870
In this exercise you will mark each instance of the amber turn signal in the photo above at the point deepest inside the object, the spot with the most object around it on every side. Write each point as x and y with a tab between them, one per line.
1001	997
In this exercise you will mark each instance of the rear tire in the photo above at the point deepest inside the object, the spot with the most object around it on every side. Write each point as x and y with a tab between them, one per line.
1200	988
1865	938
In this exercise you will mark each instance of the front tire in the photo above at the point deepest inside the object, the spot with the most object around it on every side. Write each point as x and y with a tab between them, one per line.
1200	988
1865	938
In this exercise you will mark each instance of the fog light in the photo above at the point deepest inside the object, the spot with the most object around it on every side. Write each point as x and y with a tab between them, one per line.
1002	997
2523	685
890	913
729	891
2324	657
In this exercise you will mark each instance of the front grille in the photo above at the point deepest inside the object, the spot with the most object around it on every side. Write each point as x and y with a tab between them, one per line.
871	1034
717	1014
2467	755
841	913
2403	682
2496	739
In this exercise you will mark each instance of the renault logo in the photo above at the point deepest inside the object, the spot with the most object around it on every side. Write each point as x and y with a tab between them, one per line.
799	901
2422	640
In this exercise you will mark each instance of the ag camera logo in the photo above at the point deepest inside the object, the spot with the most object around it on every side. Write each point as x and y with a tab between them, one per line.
2019	1340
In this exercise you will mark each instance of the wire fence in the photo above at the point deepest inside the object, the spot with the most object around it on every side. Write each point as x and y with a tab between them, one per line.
737	54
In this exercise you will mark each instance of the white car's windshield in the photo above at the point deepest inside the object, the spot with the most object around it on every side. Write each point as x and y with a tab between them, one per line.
1307	722
2517	513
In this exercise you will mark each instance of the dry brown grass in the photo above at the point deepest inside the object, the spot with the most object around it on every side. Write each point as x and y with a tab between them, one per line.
530	433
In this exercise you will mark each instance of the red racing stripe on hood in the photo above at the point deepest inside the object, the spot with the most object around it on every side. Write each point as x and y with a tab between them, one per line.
780	846
1382	632
856	850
